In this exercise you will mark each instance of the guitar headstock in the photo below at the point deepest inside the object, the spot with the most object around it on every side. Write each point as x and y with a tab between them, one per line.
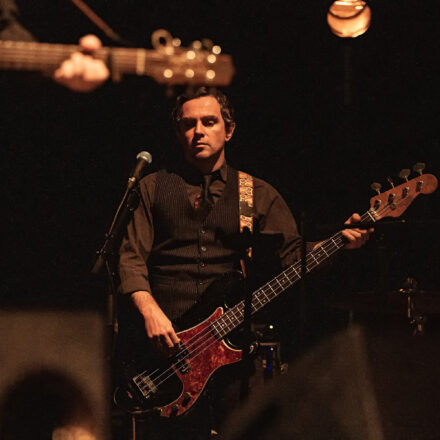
395	201
200	64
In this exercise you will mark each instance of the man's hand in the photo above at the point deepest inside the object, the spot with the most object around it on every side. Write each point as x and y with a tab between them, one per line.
158	327
355	237
81	72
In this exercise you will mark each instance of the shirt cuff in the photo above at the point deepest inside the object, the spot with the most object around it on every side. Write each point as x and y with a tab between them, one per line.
134	284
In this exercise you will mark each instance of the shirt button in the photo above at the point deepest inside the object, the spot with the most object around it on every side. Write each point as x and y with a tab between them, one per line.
202	230
202	264
200	282
203	248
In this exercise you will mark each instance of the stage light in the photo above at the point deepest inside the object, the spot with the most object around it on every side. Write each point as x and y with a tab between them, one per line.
349	18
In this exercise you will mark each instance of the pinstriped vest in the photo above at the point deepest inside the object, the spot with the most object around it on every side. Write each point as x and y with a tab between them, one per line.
187	253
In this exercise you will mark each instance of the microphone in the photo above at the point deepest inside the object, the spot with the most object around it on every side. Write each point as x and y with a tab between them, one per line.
144	158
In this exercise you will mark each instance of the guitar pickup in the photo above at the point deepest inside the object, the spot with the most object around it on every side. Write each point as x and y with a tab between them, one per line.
181	363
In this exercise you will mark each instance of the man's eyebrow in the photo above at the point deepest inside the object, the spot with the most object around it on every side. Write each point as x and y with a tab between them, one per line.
189	119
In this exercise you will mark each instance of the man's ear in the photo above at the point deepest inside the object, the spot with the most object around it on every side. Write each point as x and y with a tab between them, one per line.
230	131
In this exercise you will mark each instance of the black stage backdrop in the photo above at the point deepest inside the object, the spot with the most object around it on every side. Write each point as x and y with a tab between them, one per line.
66	156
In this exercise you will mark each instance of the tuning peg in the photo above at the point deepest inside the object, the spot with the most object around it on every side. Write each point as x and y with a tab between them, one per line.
404	174
390	181
419	167
216	49
207	44
196	45
376	187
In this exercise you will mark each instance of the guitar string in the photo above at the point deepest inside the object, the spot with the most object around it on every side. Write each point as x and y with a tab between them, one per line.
278	289
200	348
207	331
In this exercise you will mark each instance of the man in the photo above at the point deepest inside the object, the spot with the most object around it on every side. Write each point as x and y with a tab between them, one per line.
172	249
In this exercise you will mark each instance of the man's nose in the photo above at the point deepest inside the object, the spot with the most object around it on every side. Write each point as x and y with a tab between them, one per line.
200	129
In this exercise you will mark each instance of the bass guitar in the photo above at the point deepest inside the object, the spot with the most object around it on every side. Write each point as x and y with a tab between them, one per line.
172	386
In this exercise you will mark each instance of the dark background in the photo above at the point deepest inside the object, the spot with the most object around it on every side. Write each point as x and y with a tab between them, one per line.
67	155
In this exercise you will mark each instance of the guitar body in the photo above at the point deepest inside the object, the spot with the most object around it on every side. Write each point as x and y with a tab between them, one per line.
171	387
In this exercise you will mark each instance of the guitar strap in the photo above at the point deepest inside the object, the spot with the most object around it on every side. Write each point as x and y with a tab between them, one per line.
246	208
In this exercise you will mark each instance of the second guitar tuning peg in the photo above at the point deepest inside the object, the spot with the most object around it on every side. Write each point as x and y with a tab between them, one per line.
404	174
376	187
419	167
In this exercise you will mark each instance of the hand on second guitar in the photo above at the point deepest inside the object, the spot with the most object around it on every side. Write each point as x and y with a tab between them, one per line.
158	327
81	72
356	238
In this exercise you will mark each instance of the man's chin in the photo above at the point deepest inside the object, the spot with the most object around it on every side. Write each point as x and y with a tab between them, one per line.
201	154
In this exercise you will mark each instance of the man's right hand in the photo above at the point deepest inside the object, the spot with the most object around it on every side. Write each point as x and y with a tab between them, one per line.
158	327
81	72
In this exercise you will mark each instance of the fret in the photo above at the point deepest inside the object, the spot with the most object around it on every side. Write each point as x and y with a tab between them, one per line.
289	281
276	279
313	256
270	287
141	58
226	316
296	272
334	242
265	299
215	330
236	318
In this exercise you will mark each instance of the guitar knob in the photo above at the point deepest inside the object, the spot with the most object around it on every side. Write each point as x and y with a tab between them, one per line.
376	187
174	410
186	399
390	181
419	167
404	174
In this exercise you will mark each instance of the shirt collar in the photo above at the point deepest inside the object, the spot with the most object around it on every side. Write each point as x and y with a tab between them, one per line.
193	176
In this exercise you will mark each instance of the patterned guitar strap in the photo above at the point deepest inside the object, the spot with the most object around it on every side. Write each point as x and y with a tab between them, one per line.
246	208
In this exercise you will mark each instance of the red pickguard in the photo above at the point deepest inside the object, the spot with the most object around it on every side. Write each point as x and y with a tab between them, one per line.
201	366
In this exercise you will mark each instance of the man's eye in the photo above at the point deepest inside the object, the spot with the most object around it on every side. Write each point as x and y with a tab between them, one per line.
187	124
209	122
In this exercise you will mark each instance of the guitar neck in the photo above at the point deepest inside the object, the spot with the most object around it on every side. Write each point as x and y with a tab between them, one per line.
44	56
177	68
277	285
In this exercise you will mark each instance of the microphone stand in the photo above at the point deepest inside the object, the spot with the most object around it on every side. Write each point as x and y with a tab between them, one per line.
106	255
248	343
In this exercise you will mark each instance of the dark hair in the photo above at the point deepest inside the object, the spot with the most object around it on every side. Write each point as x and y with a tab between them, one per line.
226	109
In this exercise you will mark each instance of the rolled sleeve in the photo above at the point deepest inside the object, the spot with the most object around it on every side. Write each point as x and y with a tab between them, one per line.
137	242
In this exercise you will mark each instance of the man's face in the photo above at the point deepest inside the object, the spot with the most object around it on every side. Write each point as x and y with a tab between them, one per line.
202	131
